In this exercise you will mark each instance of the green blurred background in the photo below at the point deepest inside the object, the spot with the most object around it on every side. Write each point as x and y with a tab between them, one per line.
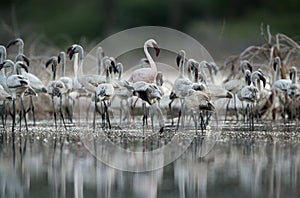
224	27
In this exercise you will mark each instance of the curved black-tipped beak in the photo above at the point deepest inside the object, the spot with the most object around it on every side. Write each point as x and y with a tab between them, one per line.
24	58
25	67
10	43
263	79
58	59
274	65
249	66
178	59
157	50
70	52
291	75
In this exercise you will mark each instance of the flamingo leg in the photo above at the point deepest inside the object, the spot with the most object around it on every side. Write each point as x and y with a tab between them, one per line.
133	107
107	115
54	113
95	109
171	112
179	116
13	118
24	114
2	112
32	109
78	108
227	107
61	113
235	109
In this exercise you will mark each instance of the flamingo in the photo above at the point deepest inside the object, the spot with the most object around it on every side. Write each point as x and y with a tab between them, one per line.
146	74
181	84
105	91
16	86
55	88
281	87
88	81
198	101
150	94
293	93
68	84
250	93
35	82
236	84
3	94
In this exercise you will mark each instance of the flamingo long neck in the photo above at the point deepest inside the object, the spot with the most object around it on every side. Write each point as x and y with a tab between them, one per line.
181	67
99	60
63	63
151	62
202	72
275	78
196	75
21	48
295	77
2	54
80	63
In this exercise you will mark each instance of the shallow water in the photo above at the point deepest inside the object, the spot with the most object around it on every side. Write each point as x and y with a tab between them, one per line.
54	164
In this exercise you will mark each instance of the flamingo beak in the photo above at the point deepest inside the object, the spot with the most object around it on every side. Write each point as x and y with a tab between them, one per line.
21	57
70	51
178	58
274	65
157	50
24	67
58	59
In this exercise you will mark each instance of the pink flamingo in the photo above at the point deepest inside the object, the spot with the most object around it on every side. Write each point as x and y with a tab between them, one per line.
146	74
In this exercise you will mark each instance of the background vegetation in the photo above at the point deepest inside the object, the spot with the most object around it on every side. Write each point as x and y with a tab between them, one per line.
224	27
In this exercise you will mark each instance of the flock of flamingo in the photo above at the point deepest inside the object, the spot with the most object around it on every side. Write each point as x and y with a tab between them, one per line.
197	92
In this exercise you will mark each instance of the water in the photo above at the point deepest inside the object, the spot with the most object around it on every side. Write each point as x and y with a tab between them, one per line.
45	163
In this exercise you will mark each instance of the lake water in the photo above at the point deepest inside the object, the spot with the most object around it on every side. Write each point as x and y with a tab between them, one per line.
44	163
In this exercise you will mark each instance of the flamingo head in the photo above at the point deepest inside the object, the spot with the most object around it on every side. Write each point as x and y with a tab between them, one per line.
6	64
18	42
61	56
276	62
293	72
247	75
21	65
180	57
53	61
245	65
23	58
152	43
75	49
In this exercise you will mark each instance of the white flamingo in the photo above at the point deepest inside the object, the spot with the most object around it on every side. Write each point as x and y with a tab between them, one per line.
281	87
88	81
146	74
56	88
250	94
68	85
105	91
293	93
198	101
16	86
3	94
150	94
35	82
236	84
